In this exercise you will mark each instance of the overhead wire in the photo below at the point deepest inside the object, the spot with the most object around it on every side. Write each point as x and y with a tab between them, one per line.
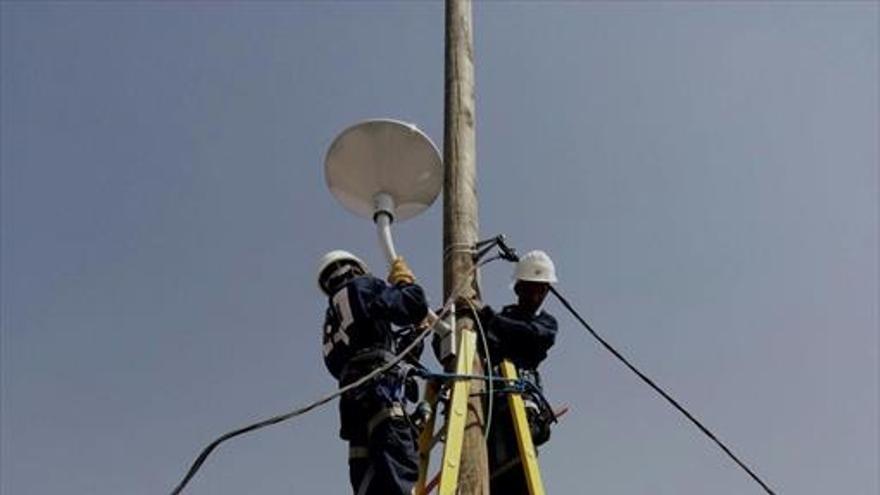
203	455
489	371
510	254
284	417
399	357
490	382
660	391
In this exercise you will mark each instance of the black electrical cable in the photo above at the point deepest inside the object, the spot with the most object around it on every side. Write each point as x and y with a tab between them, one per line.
197	464
490	382
284	417
660	391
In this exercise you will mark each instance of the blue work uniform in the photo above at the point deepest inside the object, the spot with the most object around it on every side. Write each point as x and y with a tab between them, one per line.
524	338
358	337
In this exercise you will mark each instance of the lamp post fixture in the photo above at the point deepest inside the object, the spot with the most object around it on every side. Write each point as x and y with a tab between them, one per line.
385	170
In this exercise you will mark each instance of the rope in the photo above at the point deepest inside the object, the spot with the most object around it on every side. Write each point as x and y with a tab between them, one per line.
454	376
457	247
297	412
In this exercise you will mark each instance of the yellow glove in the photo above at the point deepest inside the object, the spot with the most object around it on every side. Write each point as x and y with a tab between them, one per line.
400	272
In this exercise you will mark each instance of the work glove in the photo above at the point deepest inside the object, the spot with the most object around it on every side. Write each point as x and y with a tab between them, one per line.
400	272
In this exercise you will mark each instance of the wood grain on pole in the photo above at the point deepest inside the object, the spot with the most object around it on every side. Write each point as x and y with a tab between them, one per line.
460	223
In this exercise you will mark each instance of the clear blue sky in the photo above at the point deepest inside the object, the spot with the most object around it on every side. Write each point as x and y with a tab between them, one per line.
704	174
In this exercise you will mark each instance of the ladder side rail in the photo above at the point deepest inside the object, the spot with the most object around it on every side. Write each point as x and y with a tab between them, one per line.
528	454
457	415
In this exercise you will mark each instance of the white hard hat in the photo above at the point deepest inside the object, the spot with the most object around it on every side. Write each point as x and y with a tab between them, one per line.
535	266
336	256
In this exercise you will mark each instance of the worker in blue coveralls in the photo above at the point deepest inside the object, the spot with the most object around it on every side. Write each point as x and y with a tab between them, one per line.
359	337
522	333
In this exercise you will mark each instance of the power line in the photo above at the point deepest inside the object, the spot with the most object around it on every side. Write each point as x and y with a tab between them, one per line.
399	357
284	417
197	464
660	391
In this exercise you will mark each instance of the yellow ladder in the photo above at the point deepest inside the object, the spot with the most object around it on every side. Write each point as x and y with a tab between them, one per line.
456	415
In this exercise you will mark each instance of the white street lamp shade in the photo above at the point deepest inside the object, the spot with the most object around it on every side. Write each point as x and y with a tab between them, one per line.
384	156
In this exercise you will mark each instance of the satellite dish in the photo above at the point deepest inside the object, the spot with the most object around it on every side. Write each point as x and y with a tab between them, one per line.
384	165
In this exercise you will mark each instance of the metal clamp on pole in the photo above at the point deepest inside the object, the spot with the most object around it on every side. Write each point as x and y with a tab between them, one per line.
444	336
506	252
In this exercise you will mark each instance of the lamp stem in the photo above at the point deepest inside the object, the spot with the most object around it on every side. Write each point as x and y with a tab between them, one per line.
383	226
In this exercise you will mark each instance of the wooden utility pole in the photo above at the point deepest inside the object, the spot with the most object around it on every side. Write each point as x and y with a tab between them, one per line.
460	226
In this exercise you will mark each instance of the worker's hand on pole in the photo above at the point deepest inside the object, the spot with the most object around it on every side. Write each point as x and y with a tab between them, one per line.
400	272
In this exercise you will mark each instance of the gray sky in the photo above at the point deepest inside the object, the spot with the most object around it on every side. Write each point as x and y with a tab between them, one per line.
704	175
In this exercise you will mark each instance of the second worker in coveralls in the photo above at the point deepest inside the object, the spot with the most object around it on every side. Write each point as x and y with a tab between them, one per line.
358	337
521	333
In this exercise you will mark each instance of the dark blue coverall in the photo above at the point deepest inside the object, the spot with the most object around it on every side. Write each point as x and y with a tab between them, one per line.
523	338
357	339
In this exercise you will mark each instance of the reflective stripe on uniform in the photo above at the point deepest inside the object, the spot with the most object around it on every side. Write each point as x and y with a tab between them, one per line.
358	452
395	411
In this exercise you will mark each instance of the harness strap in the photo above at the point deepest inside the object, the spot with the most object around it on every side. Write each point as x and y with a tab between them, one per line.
365	483
350	371
358	452
395	411
507	466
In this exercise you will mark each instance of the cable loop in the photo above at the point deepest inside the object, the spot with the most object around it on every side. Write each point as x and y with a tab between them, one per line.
197	464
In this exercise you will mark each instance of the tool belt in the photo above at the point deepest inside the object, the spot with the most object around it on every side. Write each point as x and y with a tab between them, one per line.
394	386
